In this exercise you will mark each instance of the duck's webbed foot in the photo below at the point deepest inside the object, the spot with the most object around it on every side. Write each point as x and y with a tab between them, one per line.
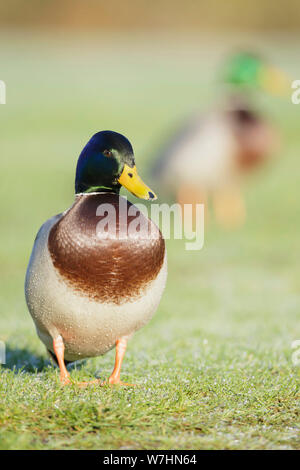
87	384
114	379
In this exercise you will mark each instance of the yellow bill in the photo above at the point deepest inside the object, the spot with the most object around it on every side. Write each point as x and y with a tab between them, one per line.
131	181
275	81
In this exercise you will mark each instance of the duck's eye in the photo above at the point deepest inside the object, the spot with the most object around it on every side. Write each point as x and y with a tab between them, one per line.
107	153
130	175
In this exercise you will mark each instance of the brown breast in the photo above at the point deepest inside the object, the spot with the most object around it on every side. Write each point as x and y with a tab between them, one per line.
106	262
255	138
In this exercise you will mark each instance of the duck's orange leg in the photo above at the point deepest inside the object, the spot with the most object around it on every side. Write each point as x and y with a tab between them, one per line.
229	207
191	195
59	350
114	379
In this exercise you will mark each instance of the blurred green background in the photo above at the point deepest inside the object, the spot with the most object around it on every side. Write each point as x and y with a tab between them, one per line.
215	362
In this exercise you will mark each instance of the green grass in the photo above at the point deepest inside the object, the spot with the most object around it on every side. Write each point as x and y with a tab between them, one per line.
214	367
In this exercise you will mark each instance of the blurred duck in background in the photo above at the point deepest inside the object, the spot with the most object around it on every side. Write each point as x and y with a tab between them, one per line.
208	156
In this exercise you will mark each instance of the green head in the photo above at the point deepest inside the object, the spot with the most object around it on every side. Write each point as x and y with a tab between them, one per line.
247	70
106	163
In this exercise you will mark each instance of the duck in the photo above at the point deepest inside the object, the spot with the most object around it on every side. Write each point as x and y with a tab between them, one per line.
96	276
205	160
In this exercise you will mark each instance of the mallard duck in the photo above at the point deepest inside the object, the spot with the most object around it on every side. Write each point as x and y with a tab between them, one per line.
208	155
90	285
